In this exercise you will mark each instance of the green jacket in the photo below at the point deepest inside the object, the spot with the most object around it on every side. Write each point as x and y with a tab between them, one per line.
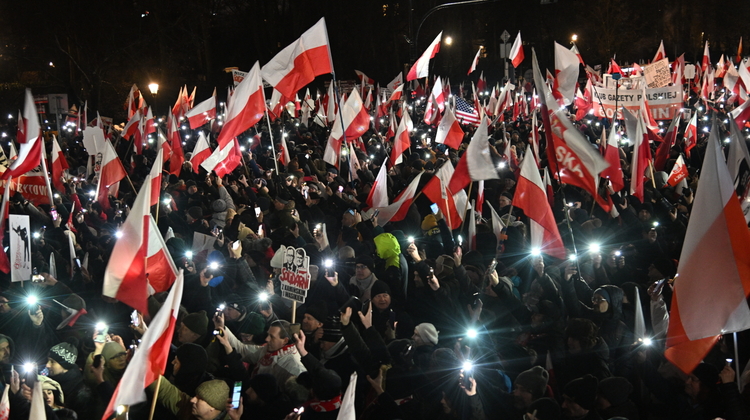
177	401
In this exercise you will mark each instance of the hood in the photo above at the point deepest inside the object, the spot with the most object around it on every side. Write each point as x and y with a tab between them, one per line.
388	249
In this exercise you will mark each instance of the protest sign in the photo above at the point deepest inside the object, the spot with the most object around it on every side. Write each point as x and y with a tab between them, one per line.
32	184
664	102
295	274
20	247
658	74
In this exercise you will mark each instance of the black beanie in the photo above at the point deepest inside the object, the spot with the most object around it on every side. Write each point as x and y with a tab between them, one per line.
318	310
367	261
264	384
707	374
193	358
332	329
65	354
379	287
583	391
545	409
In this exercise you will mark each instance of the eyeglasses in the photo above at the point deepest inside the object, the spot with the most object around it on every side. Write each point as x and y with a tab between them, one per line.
597	299
360	267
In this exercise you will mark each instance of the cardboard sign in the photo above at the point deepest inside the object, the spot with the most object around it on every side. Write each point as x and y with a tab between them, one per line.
658	74
664	102
295	274
20	247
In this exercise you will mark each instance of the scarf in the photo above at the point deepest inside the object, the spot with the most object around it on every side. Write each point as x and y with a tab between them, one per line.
364	285
325	405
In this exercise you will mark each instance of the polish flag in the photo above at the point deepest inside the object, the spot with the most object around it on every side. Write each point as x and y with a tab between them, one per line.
481	82
356	122
191	99
284	156
662	152
396	95
201	152
245	107
530	196
135	100
132	126
660	53
391	126
331	105
110	174
160	268
21	130
475	61
566	74
59	164
439	94
449	131
156	175
4	210
223	160
451	205
178	156
706	58
738	163
678	173
30	153
691	133
497	224
480	196
150	360
401	141
516	51
298	64
125	276
471	231
364	80
203	113
476	163
574	50
397	210
721	67
421	67
714	273
740	114
641	153
163	141
548	187
396	82
378	196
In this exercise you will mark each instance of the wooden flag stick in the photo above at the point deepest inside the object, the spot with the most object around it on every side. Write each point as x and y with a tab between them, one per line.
156	397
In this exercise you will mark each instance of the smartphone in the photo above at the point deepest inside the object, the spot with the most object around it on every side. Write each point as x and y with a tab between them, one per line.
341	188
36	277
101	336
260	230
376	213
78	262
236	393
434	208
97	361
492	266
236	245
257	211
54	214
134	319
219	333
659	286
30	376
349	303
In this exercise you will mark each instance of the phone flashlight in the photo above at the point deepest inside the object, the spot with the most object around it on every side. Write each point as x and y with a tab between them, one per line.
328	263
189	254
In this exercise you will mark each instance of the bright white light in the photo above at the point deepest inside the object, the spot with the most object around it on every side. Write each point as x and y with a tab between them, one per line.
263	296
118	234
595	248
573	257
467	366
189	254
100	326
29	367
31	300
36	235
448	40
535	252
214	265
471	333
647	341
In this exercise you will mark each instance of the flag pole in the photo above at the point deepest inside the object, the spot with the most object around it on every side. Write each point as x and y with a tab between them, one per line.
270	134
737	361
466	205
651	168
46	175
155	398
341	112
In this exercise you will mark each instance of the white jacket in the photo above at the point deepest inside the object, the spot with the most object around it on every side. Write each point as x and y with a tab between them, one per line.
282	364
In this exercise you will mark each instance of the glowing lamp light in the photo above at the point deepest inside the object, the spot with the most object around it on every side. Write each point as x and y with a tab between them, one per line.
448	40
153	88
647	341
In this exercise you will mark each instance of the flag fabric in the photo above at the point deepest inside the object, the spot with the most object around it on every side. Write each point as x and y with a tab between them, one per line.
475	61
497	224
660	53
301	61
421	67
574	50
156	175
738	163
364	80
449	131
331	103
480	196
245	108
110	174
662	152
125	277
356	121
451	205
471	229
691	134
30	153
284	156
465	113
201	152
516	51
59	164
203	112
706	61
160	268
397	210
548	187
132	126
36	410
177	157
476	162
636	129
347	411
378	195
401	141
714	272
566	75
5	405
149	361
530	196
396	82
223	160
639	329
397	93
741	114
678	173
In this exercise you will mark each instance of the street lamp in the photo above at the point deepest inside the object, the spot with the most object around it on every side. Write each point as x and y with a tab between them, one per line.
574	38
448	40
154	89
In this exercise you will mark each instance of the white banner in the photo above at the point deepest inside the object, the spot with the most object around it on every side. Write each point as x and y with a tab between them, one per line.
658	74
20	247
664	102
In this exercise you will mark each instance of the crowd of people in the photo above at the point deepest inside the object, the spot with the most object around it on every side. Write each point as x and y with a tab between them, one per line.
434	326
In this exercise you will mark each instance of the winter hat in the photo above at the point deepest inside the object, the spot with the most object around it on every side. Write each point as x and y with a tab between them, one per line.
254	324
193	358
545	409
65	354
379	287
326	385
429	222
615	389
444	263
196	322
195	212
428	332
111	350
535	380
215	393
583	391
367	261
51	385
264	385
707	374
603	293
332	329
278	258
219	205
318	310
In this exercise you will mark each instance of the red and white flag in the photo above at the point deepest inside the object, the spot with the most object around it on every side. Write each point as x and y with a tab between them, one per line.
397	210
678	173
132	126
396	82
451	205
530	196
245	108
297	65
363	79
497	224
203	112
156	175
356	121
331	106
284	156
378	196
471	228
480	196
574	50
149	361
125	277
401	141
110	174
449	131
421	67
662	152
177	158
223	160
691	133
475	61
438	94
30	153
660	53
566	74
201	152
516	51
741	114
59	164
714	272
706	61
636	129
476	163
396	95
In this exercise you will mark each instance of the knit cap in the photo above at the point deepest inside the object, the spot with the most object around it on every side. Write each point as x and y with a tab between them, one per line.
583	391
254	324
196	322
535	380
65	354
428	332
379	287
111	350
215	393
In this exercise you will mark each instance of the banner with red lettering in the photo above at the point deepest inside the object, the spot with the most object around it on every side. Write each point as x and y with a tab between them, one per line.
295	274
32	185
664	102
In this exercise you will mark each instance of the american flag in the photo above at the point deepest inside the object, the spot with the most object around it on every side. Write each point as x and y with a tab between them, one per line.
465	113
